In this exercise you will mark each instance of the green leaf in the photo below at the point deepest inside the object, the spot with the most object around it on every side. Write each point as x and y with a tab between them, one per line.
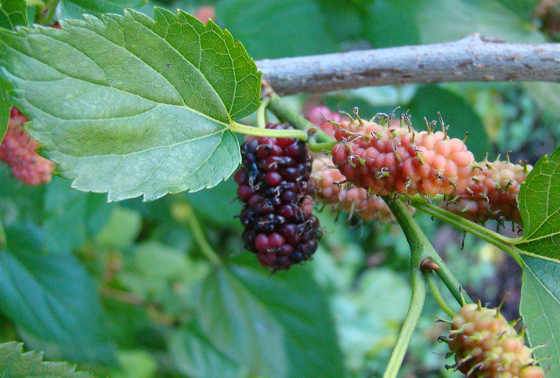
133	106
5	108
75	8
540	309
196	356
273	29
281	321
12	13
121	230
14	363
456	112
223	198
53	302
539	204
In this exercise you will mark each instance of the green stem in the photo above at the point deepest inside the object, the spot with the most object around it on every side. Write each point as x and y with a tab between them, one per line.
46	14
184	212
256	131
402	215
322	147
261	113
437	295
287	114
504	243
418	243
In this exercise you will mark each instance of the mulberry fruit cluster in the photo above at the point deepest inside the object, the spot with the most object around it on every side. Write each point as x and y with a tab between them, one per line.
395	159
486	345
332	188
492	193
274	184
19	151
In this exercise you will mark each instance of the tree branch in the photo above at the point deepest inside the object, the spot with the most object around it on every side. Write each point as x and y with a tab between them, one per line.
473	58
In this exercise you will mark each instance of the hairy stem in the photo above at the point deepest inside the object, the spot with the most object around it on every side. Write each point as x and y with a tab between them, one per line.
286	114
47	12
418	243
504	243
473	58
257	131
437	295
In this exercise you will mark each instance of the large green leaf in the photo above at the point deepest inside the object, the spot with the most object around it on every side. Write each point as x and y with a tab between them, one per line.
277	325
133	106
457	113
75	8
52	300
13	13
14	363
273	29
540	309
539	204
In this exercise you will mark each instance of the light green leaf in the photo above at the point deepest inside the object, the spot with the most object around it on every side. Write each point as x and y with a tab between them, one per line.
539	204
75	8
456	112
273	29
53	301
281	321
12	13
540	309
14	363
133	106
196	356
121	229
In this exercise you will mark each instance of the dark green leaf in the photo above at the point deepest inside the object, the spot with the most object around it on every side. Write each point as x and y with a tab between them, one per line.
14	363
53	302
282	321
539	204
392	23
12	13
456	112
196	356
273	29
75	8
540	309
218	205
523	8
147	109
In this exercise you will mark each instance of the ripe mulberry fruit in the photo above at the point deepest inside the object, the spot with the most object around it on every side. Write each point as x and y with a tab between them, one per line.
486	345
18	150
332	188
398	159
492	193
274	184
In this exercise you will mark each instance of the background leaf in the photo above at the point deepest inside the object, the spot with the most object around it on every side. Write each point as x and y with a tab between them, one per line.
147	110
13	13
14	363
539	204
53	302
540	308
75	8
282	321
5	107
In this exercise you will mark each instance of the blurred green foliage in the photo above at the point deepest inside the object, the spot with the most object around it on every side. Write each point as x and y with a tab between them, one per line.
123	289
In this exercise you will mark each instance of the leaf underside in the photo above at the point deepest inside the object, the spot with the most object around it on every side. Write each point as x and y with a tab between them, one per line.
132	106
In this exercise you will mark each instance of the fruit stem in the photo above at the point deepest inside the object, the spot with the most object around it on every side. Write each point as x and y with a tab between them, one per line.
437	295
184	213
261	113
504	243
322	147
287	114
418	244
47	12
257	131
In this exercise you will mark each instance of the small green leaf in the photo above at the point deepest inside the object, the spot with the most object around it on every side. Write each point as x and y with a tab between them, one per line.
274	29
12	13
196	356
540	309
52	300
14	363
75	8
456	112
133	106
539	204
281	321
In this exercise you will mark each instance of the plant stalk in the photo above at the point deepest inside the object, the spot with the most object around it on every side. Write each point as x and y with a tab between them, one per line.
261	113
437	295
257	131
